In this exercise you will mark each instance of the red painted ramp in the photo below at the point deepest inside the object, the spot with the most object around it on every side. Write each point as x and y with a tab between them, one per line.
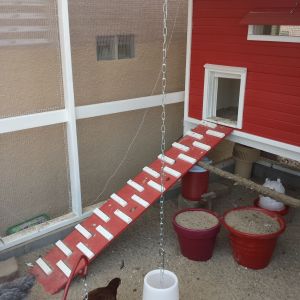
124	207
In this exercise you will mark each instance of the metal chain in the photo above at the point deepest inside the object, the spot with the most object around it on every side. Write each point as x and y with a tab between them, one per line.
163	135
85	289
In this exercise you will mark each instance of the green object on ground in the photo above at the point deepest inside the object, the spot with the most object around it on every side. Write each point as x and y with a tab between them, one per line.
29	223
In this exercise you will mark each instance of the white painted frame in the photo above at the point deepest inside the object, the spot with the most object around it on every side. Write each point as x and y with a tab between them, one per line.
212	73
68	116
66	61
35	120
268	145
270	38
188	59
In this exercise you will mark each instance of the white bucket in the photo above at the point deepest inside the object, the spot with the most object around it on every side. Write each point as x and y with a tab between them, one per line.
270	203
157	289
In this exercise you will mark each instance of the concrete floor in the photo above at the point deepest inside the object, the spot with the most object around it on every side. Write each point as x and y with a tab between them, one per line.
219	278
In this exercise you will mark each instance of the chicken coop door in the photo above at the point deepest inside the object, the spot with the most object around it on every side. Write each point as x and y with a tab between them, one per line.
224	90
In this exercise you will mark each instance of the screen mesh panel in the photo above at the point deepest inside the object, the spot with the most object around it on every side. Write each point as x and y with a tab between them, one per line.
30	77
116	49
130	33
34	175
104	143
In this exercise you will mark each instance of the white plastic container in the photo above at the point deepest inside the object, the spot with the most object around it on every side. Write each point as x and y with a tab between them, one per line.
269	203
157	289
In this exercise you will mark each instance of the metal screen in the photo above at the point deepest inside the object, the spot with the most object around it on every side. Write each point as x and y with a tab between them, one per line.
30	76
133	71
58	57
34	176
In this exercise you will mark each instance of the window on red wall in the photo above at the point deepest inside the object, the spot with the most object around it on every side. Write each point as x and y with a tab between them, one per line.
275	25
275	33
224	90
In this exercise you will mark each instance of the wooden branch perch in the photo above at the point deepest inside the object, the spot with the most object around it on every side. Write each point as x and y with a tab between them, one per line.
290	201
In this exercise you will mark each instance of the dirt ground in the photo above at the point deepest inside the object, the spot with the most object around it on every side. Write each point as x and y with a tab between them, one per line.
135	253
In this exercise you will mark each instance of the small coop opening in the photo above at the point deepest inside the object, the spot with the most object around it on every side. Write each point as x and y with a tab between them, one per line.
228	99
224	90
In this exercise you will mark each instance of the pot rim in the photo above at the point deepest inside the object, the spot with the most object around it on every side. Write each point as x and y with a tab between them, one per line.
282	212
156	272
197	209
271	214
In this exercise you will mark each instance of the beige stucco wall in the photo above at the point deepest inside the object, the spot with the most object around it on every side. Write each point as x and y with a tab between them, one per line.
34	175
102	81
30	76
104	141
30	80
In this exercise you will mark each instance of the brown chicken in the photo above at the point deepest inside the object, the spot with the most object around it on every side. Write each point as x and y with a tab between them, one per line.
106	293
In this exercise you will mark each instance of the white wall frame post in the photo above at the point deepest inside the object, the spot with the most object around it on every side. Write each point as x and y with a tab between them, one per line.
66	61
188	62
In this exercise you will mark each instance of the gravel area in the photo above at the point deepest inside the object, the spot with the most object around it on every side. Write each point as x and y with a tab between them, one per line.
251	221
196	220
135	253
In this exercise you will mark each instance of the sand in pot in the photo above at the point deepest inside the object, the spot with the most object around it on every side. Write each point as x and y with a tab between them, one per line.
196	220
197	230
251	221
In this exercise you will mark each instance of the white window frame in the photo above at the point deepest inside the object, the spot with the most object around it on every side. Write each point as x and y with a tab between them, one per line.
270	38
212	73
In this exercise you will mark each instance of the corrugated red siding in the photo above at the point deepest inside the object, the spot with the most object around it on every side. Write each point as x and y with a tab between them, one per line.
272	99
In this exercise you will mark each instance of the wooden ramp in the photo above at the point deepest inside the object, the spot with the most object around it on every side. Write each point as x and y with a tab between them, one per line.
124	207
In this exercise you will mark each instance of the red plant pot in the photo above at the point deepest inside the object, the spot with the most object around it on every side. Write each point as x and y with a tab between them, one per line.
197	245
282	212
254	251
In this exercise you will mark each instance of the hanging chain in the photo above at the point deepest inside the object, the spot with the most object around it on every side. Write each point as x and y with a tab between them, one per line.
163	135
85	289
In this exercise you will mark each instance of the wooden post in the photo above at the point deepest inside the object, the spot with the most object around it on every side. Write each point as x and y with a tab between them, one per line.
290	201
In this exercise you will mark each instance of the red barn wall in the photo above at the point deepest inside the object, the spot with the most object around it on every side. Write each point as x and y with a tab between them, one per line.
272	98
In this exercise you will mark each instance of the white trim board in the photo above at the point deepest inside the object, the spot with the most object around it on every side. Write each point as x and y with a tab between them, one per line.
23	122
188	122
108	108
50	226
251	140
17	123
188	57
67	73
265	144
39	230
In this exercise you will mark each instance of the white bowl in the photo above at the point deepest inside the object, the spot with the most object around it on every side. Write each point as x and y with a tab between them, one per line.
156	288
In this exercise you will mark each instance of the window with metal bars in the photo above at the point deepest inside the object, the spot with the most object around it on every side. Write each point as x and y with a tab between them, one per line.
125	46
115	47
105	47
